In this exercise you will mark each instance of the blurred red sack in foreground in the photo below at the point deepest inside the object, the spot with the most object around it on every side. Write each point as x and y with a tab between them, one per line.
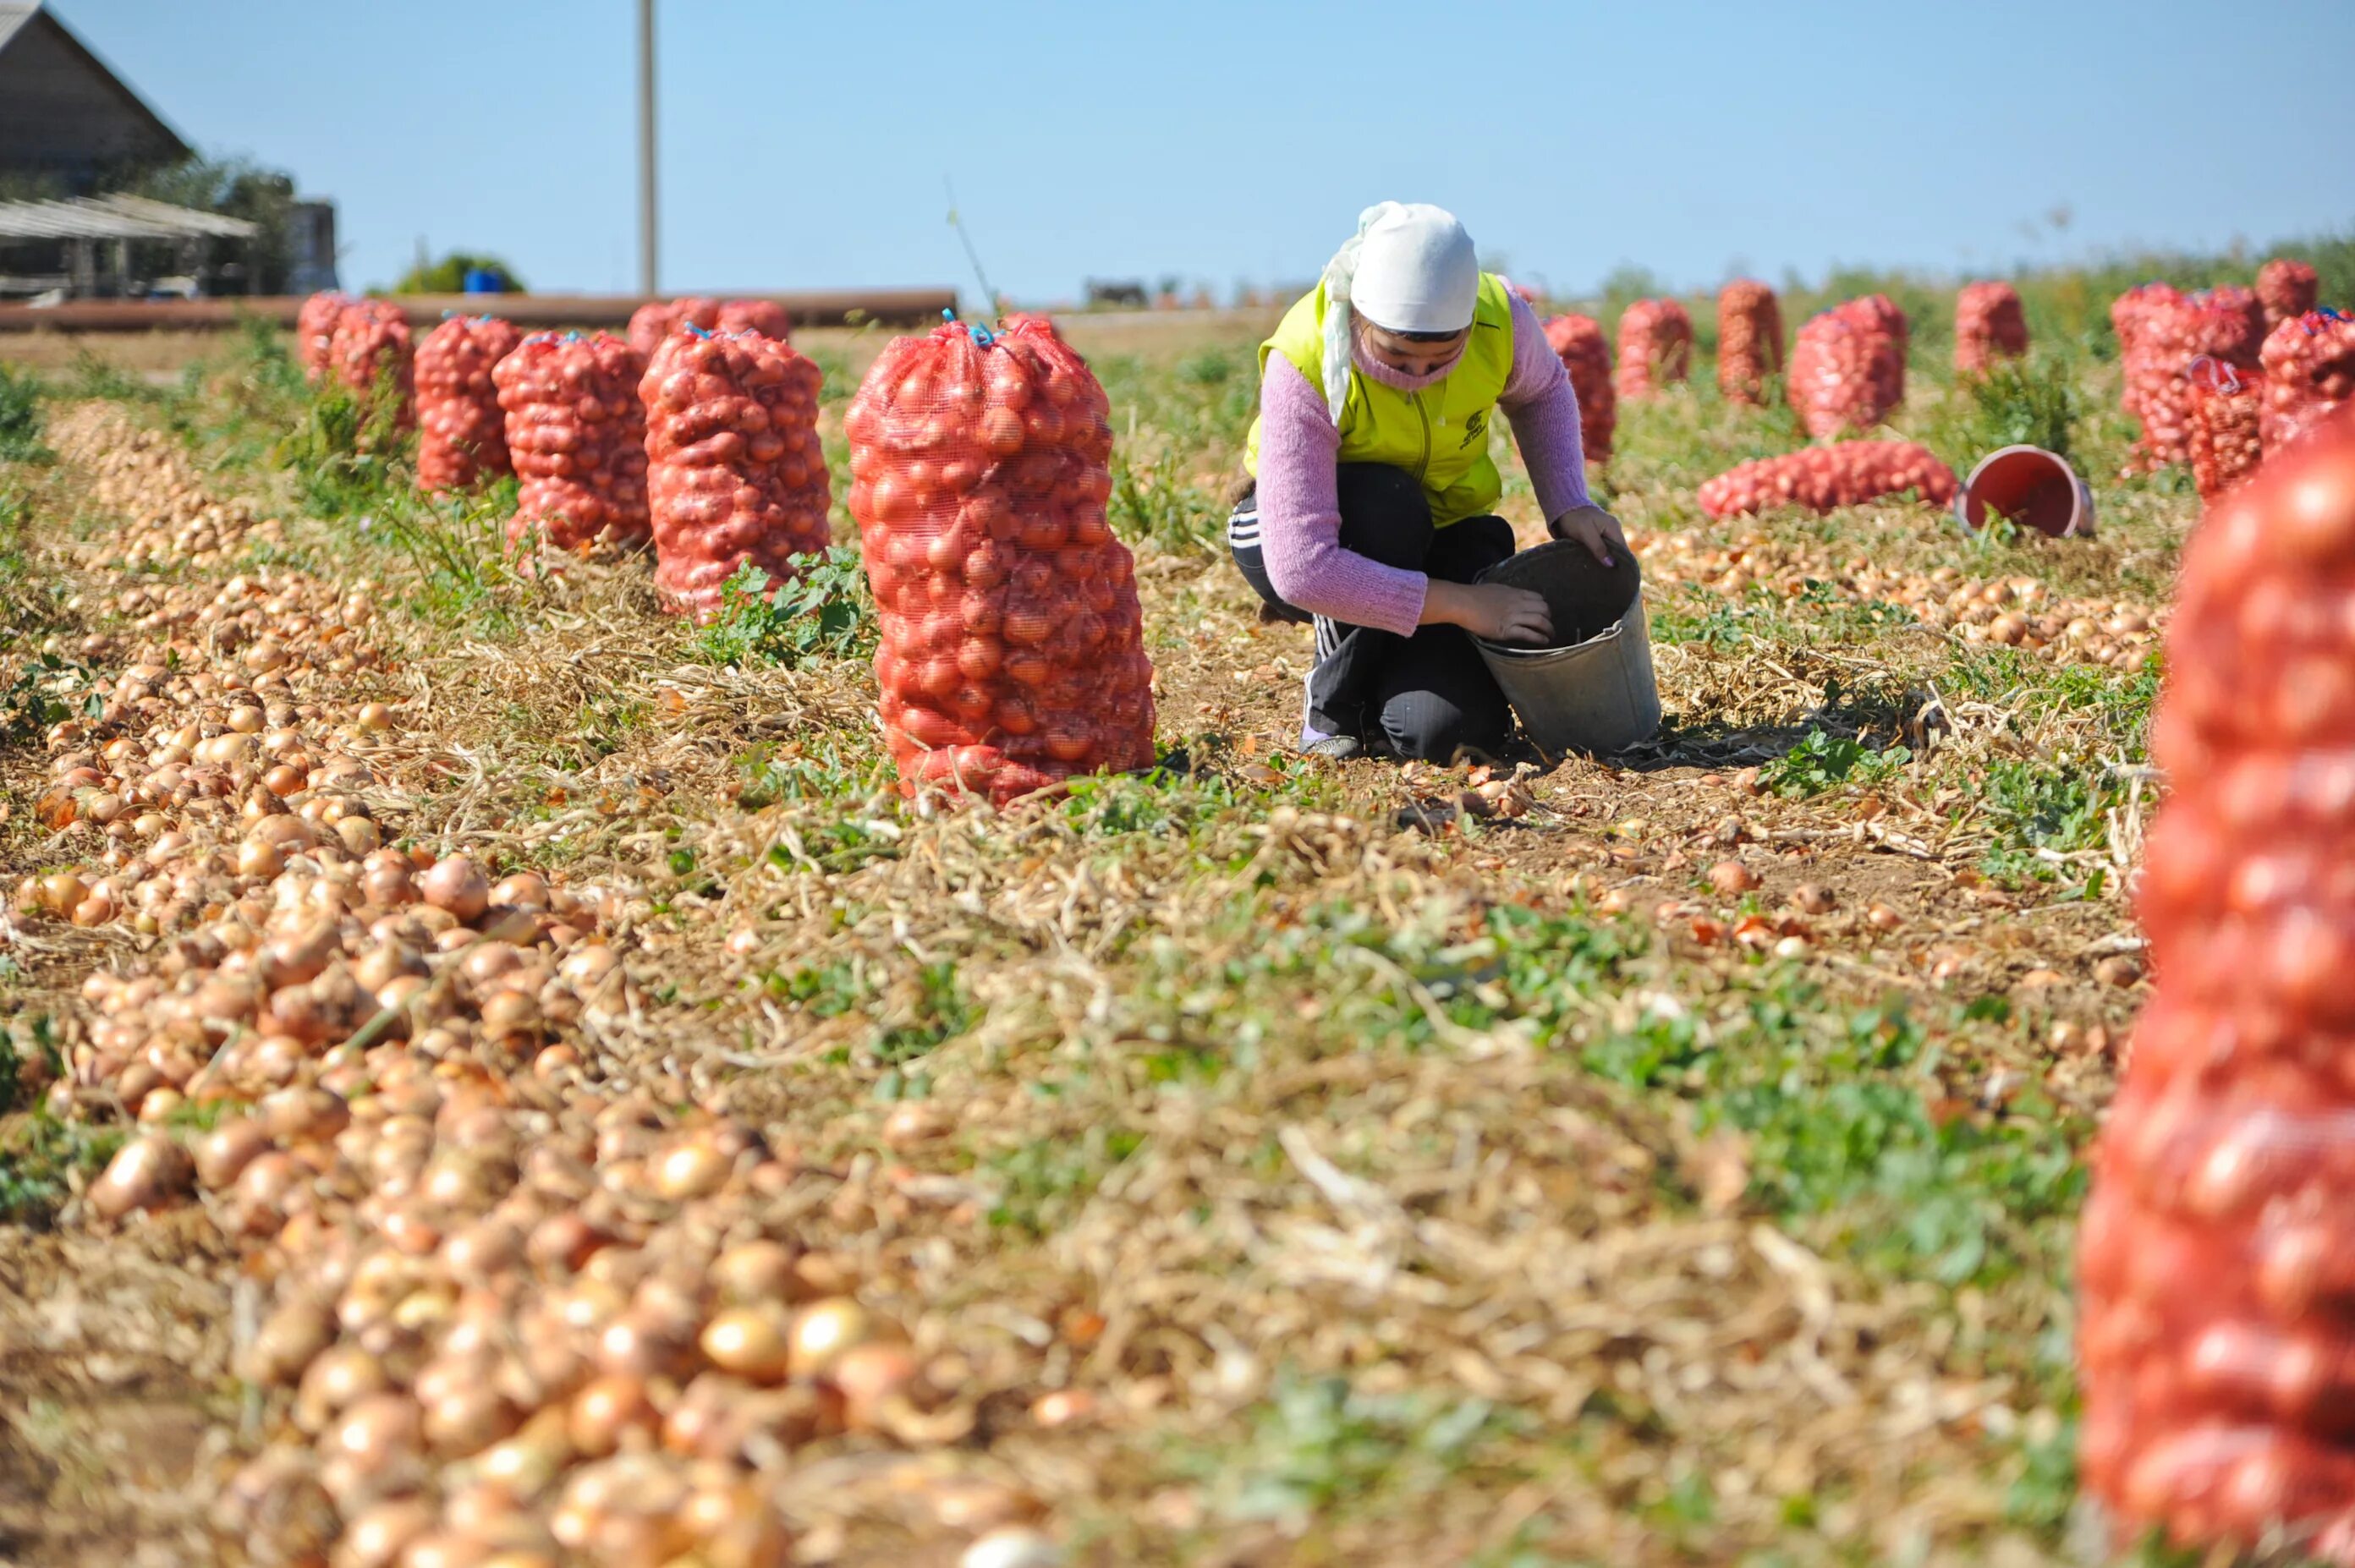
370	341
2287	289
1821	478
577	434
735	470
1013	650
1988	324
314	330
462	436
1749	341
2309	370
652	322
1577	341
2216	1252
1655	348
1848	366
2227	406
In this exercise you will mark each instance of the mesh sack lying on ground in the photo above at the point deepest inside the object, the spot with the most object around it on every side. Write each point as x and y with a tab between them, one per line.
2286	288
1848	366
2309	370
577	434
1578	341
2225	324
652	322
2227	409
1821	478
1013	650
315	331
1988	324
736	472
370	341
1749	341
1654	347
461	435
2216	1254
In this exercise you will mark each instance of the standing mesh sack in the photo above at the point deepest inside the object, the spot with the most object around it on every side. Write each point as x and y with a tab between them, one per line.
2309	370
1655	348
2130	314
652	322
736	472
1013	650
1749	341
577	434
1848	366
2216	1251
2227	409
2288	290
315	331
2173	334
370	342
1988	324
461	438
1578	341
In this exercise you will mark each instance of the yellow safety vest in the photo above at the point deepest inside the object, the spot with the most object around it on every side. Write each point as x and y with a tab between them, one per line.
1439	434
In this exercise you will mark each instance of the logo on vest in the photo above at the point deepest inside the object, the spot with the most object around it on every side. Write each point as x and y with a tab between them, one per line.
1473	429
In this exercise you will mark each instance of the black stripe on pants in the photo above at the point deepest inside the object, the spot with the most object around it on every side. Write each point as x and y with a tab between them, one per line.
1429	695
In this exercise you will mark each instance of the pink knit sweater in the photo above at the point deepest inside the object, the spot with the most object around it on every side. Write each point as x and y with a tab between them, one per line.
1299	459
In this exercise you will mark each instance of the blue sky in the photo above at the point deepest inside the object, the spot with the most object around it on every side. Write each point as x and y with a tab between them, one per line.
805	146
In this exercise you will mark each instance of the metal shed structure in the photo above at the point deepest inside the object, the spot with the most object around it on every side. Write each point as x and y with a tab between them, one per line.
75	228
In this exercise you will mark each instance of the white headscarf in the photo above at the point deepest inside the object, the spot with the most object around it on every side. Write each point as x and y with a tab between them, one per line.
1409	267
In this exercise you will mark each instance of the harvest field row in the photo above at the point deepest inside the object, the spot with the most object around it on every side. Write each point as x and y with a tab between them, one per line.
1254	1159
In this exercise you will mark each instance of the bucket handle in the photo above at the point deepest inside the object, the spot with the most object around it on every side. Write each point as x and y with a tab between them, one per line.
2216	375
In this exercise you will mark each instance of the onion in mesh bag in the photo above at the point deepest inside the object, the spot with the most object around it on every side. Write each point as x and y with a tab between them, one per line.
370	341
1848	366
461	435
1988	324
1655	348
1749	341
736	472
576	432
2216	1254
1012	651
1820	478
1578	341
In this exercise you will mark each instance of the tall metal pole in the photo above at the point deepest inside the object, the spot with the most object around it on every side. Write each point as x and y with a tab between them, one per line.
646	248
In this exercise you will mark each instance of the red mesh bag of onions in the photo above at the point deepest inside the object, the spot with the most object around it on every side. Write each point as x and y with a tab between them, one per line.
2172	333
2216	1252
2286	288
369	341
577	434
2309	370
462	436
735	470
2227	406
651	323
1578	340
1848	366
314	330
1013	650
1988	324
1655	348
1821	478
1749	341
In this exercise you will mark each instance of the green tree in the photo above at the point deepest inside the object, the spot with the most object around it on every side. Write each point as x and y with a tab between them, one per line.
448	275
234	188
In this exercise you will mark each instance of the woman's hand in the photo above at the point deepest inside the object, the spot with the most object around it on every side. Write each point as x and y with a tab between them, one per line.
1490	611
1592	526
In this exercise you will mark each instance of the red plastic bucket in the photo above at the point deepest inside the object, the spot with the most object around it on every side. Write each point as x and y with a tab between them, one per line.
2033	487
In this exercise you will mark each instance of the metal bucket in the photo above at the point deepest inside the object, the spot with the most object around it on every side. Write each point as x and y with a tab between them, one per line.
1596	692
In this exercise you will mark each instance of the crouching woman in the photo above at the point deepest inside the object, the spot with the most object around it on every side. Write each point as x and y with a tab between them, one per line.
1371	506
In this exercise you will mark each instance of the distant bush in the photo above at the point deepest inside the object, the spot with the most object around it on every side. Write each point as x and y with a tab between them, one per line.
448	275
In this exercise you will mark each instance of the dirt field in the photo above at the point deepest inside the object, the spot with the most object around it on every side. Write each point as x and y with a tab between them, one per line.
1261	1161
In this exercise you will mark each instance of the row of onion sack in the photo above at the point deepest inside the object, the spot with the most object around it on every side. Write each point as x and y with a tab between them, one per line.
1012	647
2220	379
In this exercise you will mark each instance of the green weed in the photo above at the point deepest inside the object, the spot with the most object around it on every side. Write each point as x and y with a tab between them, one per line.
1823	761
821	611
